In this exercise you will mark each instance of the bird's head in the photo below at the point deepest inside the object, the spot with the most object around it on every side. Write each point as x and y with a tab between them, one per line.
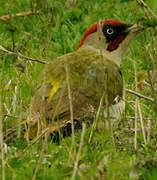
110	37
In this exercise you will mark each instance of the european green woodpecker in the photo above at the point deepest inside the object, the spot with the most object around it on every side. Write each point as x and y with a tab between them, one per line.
89	74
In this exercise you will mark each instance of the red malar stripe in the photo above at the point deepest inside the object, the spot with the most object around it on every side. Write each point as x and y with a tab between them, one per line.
114	45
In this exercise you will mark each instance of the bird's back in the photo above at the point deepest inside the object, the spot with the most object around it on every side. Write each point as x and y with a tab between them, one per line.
90	77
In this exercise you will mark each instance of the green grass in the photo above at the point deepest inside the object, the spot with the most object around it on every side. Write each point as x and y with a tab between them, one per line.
54	32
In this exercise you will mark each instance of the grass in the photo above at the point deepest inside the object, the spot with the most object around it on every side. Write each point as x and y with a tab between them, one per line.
57	30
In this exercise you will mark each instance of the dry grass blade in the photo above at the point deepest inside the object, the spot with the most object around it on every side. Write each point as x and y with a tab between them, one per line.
96	119
79	151
148	70
136	117
70	102
141	121
150	22
49	128
40	157
148	130
108	119
20	120
136	108
35	140
1	142
100	35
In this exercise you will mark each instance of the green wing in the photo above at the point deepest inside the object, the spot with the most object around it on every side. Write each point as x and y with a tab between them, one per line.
89	73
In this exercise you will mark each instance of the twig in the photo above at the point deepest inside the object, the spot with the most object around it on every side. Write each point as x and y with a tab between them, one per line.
147	84
70	102
21	56
12	30
79	151
140	95
10	116
144	5
7	17
1	142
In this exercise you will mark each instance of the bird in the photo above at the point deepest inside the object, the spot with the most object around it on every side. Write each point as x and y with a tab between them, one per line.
83	77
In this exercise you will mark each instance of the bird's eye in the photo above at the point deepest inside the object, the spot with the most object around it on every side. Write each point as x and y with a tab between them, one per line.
110	31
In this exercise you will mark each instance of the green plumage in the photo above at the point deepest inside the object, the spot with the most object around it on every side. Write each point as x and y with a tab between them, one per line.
90	76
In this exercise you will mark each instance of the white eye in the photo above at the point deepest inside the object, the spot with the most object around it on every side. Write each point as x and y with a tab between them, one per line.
110	31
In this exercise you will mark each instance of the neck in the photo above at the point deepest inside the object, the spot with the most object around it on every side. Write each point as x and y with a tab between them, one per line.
112	57
93	43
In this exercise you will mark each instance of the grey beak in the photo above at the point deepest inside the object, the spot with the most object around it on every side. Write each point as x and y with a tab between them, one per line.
134	28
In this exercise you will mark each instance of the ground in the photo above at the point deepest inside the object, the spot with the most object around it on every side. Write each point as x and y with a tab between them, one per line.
55	31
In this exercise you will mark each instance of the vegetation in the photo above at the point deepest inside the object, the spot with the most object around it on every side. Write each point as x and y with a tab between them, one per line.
54	29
